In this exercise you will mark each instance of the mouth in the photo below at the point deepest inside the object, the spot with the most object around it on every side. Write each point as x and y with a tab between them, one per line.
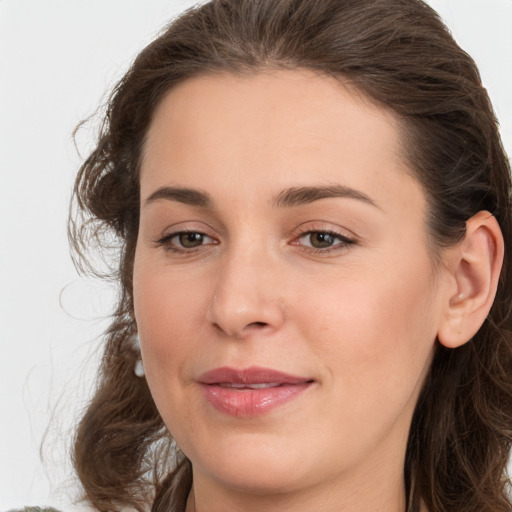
251	391
238	385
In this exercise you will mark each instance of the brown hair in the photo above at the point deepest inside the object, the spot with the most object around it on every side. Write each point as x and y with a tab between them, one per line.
399	53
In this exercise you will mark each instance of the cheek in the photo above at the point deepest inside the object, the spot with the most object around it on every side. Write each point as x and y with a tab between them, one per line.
168	314
167	301
375	333
159	301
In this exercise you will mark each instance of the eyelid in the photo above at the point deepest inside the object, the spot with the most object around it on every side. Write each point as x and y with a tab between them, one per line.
165	240
324	227
345	238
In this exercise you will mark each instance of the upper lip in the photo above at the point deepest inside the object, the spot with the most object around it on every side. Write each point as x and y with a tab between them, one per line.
251	375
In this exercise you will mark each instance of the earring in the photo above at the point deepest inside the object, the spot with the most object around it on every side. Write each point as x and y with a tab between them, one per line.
139	365
139	368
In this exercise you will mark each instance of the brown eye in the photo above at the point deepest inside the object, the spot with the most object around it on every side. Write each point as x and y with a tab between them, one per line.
324	240
183	242
320	240
190	240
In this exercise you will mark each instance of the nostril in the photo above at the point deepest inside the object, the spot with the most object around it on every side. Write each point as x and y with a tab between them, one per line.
257	324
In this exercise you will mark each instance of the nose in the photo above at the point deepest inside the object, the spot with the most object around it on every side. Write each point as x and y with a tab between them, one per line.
247	298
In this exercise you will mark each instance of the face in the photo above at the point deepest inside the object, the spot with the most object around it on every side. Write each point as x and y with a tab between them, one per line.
284	293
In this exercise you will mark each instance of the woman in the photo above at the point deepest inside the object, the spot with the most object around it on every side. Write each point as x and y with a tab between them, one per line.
313	208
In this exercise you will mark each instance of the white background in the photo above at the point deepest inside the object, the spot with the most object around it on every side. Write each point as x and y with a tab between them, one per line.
57	59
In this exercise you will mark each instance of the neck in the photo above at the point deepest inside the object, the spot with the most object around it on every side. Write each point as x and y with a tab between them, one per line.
372	493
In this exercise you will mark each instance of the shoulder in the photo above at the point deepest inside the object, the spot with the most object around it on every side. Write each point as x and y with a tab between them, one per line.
36	509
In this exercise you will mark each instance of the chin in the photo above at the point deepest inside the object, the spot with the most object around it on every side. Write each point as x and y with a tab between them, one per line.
267	478
256	467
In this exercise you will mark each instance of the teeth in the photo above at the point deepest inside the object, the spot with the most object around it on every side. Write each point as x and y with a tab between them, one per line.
238	385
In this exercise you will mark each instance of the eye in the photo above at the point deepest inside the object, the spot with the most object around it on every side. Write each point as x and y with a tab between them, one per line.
189	240
185	241
323	240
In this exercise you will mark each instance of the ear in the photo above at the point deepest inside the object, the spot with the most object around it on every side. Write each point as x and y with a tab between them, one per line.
474	266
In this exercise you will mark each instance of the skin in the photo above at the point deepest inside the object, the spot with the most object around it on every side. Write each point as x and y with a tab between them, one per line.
359	318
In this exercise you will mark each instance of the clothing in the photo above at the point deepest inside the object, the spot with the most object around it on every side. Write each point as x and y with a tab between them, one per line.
36	509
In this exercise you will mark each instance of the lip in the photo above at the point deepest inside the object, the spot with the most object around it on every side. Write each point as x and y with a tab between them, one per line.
253	391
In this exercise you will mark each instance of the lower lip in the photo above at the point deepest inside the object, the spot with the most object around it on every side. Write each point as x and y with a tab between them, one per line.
251	402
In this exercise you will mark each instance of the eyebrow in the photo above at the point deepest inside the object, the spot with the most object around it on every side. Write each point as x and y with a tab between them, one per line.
190	196
295	196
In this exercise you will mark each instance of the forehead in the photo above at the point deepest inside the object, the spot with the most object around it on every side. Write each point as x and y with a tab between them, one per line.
296	105
271	130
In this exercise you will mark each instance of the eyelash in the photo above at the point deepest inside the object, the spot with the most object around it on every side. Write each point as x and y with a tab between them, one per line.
165	242
343	241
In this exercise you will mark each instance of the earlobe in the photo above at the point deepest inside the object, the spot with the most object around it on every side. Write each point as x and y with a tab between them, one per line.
475	265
